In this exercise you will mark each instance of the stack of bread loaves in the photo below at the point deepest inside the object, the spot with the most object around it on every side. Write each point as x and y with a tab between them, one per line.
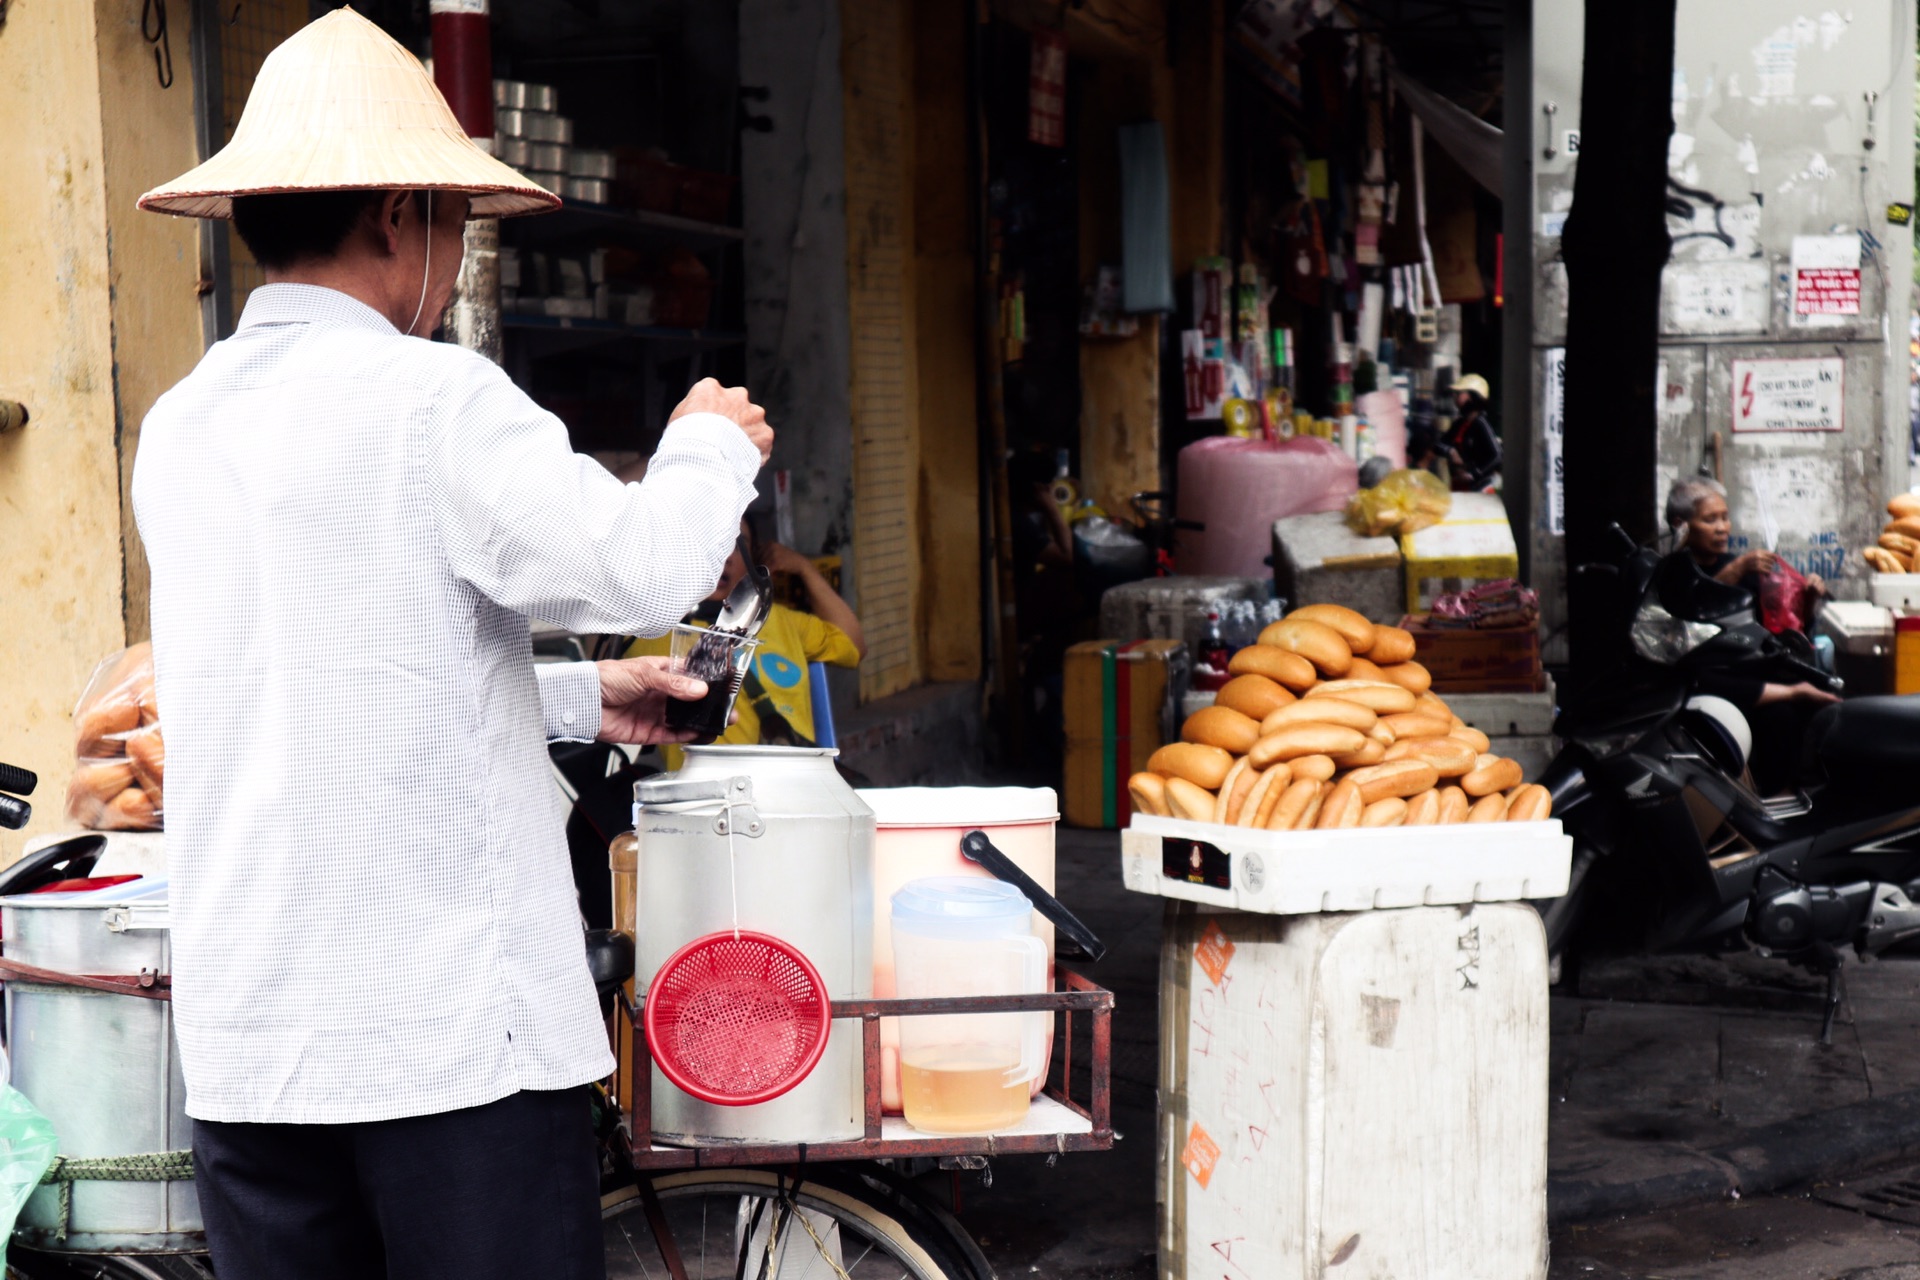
1328	722
1900	541
121	757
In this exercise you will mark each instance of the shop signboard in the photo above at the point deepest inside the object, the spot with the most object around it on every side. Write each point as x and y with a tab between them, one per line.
1553	420
1782	396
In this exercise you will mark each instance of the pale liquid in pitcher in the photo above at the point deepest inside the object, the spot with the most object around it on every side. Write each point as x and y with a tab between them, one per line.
962	1089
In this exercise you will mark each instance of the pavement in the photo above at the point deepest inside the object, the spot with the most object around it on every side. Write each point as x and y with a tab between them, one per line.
1692	1111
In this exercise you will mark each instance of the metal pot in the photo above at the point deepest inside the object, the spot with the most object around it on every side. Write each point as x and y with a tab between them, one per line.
103	1067
802	870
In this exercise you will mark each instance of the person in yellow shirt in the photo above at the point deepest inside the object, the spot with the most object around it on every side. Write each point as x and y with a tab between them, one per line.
775	705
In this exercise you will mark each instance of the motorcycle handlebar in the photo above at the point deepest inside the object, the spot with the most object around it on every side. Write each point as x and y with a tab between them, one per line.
14	813
20	782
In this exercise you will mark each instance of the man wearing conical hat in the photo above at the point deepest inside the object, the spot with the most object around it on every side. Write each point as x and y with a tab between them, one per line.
380	985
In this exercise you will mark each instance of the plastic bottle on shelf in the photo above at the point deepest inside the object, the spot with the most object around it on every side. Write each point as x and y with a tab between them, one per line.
1210	671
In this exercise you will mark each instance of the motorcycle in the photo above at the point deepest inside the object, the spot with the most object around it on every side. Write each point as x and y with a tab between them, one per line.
1674	848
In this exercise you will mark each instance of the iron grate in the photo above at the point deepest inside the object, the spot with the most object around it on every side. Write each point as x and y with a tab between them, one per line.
1893	1195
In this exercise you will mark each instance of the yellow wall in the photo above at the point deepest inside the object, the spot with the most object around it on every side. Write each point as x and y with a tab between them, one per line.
79	102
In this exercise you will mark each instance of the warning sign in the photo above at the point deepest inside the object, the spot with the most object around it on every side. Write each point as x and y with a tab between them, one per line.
1213	951
1826	291
1788	395
1200	1155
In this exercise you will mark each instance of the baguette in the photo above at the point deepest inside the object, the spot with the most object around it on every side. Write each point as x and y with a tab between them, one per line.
96	727
1391	645
1364	669
1148	791
147	753
1202	765
1291	805
1903	545
1488	808
1903	504
1370	753
1282	666
1430	702
1221	727
1317	642
1253	695
1338	711
1224	801
1450	757
1880	560
1531	803
1188	801
1396	780
131	810
1380	696
93	787
1417	724
1453	806
1391	812
1381	734
1423	810
1295	740
1491	774
1310	815
1258	798
1319	768
1472	737
1409	675
1342	808
1354	627
1909	525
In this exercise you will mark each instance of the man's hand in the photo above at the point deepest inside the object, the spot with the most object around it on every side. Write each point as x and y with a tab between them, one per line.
633	699
732	403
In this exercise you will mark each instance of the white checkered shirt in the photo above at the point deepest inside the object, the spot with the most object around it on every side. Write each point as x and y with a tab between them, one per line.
373	911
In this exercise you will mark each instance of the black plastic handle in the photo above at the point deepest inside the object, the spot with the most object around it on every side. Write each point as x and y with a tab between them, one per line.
975	847
14	813
17	780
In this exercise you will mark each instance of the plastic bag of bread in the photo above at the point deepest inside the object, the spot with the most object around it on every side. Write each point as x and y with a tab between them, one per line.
119	754
1405	502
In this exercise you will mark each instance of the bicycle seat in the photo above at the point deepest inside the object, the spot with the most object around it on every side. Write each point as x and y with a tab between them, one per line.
609	959
1865	743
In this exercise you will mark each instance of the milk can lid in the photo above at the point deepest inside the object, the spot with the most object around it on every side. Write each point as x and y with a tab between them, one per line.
958	899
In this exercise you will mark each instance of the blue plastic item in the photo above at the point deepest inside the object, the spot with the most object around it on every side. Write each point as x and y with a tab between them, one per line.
823	734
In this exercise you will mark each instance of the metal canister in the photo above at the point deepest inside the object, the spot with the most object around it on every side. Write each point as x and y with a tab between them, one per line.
102	1067
778	831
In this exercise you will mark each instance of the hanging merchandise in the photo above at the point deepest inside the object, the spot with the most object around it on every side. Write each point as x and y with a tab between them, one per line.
1203	375
1211	277
1047	90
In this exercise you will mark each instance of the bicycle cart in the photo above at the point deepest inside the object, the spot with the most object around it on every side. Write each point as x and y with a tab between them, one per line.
845	1210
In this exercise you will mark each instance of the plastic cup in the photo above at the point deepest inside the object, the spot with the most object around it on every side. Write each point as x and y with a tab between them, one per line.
718	657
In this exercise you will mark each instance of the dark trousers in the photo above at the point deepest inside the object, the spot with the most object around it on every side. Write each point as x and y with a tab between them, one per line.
510	1190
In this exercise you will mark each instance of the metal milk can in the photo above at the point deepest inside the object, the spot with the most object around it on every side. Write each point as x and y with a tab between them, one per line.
776	830
103	1067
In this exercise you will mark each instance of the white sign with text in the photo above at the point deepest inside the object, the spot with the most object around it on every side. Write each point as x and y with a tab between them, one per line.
1788	395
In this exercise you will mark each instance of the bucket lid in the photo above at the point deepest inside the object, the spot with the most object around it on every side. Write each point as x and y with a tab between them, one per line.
961	806
960	900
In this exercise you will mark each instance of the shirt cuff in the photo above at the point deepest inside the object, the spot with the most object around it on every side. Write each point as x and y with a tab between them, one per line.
569	700
723	434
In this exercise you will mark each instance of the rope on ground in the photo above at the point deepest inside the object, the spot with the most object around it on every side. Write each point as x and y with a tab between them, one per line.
162	1166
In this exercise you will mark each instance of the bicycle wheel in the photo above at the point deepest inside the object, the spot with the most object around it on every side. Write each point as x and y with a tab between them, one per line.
751	1224
30	1264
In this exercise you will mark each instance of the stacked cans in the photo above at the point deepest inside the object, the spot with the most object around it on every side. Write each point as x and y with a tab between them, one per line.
530	134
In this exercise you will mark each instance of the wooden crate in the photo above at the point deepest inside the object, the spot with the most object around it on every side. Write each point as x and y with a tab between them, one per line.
1477	659
1121	703
1361	1094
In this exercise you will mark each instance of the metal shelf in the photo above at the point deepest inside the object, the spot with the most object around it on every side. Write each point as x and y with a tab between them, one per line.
577	219
566	333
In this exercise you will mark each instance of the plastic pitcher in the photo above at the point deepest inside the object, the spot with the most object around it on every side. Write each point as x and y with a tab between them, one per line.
965	936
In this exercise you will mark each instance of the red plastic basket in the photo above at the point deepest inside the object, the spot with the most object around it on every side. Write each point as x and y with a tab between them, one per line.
736	1019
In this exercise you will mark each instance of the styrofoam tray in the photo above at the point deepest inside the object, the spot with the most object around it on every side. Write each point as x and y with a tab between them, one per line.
1302	872
1894	590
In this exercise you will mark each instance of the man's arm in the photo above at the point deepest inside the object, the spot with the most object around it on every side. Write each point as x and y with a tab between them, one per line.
569	700
547	532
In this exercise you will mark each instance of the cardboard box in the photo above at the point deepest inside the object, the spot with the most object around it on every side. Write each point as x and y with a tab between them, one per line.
1477	659
1121	702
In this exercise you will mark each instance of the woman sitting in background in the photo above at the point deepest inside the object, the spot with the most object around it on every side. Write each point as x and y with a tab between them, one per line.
775	705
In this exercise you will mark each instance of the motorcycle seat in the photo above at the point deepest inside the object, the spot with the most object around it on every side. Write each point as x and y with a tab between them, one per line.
1865	742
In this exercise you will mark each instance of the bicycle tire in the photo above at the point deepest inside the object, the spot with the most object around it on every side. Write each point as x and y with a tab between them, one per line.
897	1245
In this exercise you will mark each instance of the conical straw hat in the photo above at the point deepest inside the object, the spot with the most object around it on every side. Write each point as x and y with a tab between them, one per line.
339	106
